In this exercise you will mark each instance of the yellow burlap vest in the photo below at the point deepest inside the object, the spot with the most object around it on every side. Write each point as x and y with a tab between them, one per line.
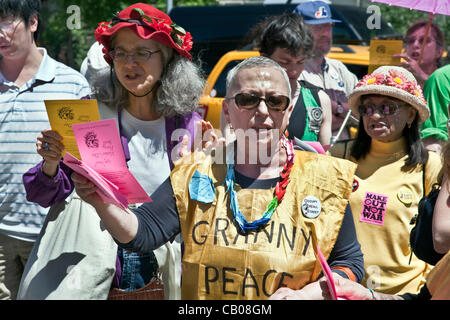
221	263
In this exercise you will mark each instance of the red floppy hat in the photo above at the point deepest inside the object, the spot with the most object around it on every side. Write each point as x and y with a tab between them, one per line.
148	23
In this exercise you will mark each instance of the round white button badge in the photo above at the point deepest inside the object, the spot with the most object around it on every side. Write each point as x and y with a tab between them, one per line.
311	207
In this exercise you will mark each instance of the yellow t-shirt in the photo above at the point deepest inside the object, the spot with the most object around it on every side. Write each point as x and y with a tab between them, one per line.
383	202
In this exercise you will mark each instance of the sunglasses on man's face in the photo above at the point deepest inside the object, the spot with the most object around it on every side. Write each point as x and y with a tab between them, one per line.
250	101
385	109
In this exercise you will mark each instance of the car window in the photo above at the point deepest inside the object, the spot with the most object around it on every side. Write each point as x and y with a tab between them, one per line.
356	18
341	33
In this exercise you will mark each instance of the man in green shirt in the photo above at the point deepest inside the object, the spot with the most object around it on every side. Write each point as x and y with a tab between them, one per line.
437	93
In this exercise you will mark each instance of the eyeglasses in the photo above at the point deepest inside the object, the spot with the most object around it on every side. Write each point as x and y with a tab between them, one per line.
249	101
7	27
141	55
385	109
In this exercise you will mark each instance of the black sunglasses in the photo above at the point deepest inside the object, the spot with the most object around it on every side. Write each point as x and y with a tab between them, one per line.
250	101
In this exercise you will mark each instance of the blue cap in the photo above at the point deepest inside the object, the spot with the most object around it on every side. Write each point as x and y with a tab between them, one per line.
315	12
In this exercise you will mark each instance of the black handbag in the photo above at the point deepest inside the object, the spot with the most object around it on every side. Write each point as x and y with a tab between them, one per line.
421	237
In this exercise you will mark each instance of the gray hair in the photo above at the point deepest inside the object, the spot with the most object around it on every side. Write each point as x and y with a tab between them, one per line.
256	62
182	83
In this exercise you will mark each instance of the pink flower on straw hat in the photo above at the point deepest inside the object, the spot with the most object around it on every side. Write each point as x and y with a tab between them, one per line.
396	79
373	78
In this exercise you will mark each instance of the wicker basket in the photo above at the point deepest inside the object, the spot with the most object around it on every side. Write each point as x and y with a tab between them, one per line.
154	290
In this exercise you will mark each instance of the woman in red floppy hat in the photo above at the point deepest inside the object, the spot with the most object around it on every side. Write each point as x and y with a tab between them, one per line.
146	49
153	77
152	88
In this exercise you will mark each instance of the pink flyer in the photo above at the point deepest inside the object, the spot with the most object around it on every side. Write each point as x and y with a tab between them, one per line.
106	190
373	208
101	150
327	272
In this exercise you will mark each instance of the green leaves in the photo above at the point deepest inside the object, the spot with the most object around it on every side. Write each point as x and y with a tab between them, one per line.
71	46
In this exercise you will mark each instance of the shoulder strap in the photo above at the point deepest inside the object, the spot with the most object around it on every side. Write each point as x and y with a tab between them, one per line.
423	179
297	122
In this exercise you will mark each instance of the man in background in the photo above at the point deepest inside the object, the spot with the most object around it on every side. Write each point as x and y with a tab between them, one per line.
329	74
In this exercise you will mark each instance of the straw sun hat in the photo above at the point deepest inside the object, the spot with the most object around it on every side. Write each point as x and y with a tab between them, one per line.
392	81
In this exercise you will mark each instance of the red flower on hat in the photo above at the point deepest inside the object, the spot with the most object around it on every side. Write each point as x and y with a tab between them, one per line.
102	27
187	42
106	55
162	27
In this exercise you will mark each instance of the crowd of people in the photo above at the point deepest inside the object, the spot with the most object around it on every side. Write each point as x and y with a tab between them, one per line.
240	216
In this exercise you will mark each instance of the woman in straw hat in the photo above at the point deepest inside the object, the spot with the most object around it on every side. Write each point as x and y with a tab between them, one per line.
437	286
152	88
394	172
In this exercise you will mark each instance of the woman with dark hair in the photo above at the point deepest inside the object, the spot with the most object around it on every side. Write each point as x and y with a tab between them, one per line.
394	172
431	53
152	89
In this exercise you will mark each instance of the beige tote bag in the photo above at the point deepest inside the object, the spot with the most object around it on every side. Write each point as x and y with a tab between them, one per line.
74	257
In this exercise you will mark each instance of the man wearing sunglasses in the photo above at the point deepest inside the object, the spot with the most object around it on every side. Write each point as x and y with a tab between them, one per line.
27	77
329	74
286	40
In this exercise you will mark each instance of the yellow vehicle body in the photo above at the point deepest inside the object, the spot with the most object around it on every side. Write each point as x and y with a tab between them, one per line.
359	55
210	105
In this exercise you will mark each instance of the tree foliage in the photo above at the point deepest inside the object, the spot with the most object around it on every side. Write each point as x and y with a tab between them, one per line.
70	45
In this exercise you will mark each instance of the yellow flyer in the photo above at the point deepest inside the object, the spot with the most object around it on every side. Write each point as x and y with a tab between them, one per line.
62	114
381	51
